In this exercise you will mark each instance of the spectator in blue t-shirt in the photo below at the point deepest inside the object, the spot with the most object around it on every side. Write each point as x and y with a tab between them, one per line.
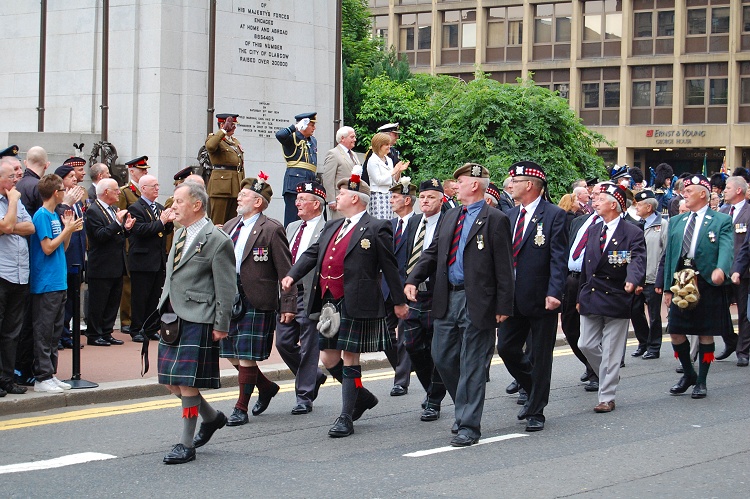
48	281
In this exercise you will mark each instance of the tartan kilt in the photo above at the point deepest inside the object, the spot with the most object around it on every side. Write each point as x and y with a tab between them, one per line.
416	329
250	338
358	335
711	317
193	360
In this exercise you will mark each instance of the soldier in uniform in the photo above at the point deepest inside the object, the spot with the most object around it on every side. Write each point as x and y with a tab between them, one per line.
131	192
227	160
301	154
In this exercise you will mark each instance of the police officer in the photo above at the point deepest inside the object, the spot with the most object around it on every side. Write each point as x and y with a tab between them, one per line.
227	160
301	155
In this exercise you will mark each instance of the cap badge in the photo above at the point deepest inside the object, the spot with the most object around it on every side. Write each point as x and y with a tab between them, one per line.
476	171
435	182
308	187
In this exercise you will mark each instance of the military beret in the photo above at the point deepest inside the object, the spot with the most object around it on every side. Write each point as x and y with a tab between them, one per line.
63	171
355	182
221	118
591	182
404	187
493	191
431	184
183	174
645	194
311	116
9	151
389	127
314	188
527	169
75	161
141	162
259	185
472	170
697	179
619	172
616	192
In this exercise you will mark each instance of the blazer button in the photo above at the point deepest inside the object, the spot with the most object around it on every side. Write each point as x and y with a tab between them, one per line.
592	289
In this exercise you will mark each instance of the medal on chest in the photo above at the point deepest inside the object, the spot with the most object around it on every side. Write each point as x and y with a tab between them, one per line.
480	242
539	237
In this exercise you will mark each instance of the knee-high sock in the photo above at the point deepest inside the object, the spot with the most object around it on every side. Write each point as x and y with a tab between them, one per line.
264	384
682	352
349	388
421	361
705	357
337	371
246	378
189	419
207	412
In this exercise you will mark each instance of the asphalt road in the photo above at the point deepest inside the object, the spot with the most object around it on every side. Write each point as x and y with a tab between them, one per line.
652	445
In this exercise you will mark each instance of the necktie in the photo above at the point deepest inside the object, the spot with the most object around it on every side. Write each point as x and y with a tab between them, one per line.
603	239
584	239
399	233
113	213
456	237
731	212
342	232
178	247
297	241
155	209
518	237
351	155
236	233
688	239
416	251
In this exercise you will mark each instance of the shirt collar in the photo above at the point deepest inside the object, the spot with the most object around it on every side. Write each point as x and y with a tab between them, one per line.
738	206
531	207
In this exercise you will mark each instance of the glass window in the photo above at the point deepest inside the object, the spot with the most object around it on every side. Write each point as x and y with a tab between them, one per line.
590	95
592	31
425	33
562	29
641	94
468	28
745	91
696	22
450	36
496	34
642	26
746	19
694	91
665	23
543	30
663	97
720	20
612	95
718	96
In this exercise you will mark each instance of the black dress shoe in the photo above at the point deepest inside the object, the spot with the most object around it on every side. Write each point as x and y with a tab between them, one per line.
264	399
125	329
301	409
318	383
638	352
585	376
592	386
238	418
343	427
523	397
98	342
180	455
430	414
650	355
462	440
523	413
454	428
622	363
699	391
399	390
138	338
726	353
112	340
365	401
684	383
424	402
512	388
534	423
742	361
13	388
153	336
3	393
207	430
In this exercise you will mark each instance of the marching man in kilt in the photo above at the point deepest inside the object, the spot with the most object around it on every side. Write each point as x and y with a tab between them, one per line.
348	258
262	257
700	241
199	287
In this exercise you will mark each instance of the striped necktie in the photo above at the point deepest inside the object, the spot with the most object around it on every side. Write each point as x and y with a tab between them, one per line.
236	233
456	237
603	239
518	237
178	247
416	252
298	241
688	239
399	233
584	239
342	232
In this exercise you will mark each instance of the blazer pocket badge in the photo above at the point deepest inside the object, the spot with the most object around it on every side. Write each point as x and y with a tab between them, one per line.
480	242
365	243
539	238
260	254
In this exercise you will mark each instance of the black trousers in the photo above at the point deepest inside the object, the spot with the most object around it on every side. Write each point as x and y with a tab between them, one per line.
571	319
639	321
397	356
104	302
653	302
13	299
144	298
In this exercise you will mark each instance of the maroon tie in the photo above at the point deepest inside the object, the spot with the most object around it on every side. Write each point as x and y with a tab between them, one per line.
297	241
731	212
584	239
236	233
603	238
399	233
456	237
518	237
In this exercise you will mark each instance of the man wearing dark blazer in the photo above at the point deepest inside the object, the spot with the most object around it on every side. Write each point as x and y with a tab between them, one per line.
539	247
297	341
107	228
147	258
97	172
348	258
262	258
471	261
614	266
738	208
506	196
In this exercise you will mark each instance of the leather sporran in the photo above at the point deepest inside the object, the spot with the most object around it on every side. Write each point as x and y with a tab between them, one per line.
239	306
170	328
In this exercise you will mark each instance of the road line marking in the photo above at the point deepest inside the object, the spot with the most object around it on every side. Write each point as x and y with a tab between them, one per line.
428	452
58	462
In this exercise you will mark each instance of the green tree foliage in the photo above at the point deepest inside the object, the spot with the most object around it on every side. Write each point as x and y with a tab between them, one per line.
447	122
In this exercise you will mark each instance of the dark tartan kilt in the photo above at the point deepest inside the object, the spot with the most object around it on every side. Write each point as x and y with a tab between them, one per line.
710	318
416	329
250	338
358	335
193	360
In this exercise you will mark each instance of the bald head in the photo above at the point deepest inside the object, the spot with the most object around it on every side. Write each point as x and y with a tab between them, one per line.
196	179
36	159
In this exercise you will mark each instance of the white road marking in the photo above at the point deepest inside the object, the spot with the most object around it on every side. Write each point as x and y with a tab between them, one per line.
422	453
57	462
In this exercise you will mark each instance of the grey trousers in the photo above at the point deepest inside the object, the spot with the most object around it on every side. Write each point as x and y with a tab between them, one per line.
47	312
602	341
459	350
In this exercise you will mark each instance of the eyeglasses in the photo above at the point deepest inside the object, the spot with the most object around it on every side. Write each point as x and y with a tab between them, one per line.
61	190
517	181
301	200
155	186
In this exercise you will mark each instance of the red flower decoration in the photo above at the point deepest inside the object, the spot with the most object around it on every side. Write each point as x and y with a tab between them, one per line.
132	188
263	175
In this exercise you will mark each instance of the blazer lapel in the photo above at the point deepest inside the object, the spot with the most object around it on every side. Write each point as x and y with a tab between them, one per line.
592	246
479	222
199	241
358	232
531	228
253	236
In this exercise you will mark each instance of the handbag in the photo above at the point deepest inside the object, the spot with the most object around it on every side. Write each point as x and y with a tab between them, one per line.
170	328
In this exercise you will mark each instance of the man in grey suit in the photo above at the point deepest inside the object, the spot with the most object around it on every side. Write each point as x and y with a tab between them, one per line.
297	342
338	165
200	287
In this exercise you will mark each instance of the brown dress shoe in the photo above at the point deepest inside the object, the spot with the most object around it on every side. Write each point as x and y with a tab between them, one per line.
605	406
